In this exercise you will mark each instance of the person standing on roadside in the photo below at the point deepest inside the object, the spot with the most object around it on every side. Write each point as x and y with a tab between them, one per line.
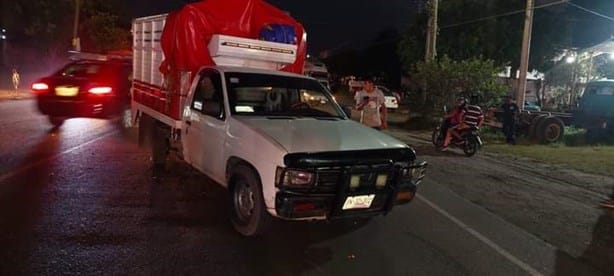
510	112
372	104
15	78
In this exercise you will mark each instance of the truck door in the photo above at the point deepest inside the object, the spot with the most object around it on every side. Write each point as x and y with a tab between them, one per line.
205	127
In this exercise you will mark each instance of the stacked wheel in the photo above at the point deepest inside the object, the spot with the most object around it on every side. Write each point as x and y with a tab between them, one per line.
547	129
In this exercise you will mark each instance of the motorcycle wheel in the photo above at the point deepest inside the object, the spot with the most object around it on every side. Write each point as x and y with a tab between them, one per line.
436	138
471	147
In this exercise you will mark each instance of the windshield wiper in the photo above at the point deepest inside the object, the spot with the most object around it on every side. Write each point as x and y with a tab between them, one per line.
328	118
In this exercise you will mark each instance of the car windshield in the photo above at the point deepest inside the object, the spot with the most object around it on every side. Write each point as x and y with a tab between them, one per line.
270	95
81	70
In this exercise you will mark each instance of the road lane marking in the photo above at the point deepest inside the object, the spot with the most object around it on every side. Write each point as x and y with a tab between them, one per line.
527	268
25	168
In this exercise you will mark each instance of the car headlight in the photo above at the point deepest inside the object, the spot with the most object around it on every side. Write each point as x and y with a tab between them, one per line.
294	178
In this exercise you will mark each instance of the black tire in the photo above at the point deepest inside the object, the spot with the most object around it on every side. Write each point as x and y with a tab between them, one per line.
249	214
145	125
436	137
160	144
470	147
534	124
550	130
56	121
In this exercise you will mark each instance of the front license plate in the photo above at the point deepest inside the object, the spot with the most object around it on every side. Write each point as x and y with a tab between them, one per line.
66	91
358	202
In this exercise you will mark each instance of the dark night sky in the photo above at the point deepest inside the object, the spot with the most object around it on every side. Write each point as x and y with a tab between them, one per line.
330	24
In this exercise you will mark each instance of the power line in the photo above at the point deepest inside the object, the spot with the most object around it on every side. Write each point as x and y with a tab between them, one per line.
503	14
591	11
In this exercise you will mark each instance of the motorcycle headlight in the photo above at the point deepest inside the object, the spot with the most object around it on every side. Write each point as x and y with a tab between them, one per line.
294	178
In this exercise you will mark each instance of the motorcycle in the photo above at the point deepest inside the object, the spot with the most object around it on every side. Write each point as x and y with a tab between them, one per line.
469	140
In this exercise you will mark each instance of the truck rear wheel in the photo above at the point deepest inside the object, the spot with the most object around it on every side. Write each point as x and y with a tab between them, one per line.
145	128
534	124
249	214
159	144
550	130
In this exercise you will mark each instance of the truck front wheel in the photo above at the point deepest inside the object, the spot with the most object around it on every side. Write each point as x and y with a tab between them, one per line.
249	215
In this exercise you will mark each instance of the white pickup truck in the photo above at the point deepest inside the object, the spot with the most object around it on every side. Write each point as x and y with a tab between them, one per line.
277	141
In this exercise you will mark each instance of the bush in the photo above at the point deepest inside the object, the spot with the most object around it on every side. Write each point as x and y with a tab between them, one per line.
574	137
492	135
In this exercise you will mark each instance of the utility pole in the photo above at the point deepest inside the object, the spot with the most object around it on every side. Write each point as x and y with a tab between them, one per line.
76	42
431	38
524	55
432	30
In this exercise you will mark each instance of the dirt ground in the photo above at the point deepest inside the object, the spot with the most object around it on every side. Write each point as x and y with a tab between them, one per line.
554	203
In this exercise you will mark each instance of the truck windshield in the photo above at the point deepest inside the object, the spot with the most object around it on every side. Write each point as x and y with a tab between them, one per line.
270	95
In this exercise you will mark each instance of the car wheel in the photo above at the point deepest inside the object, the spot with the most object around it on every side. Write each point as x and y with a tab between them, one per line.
56	121
249	215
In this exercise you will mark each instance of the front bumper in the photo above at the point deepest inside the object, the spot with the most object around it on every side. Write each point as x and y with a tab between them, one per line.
327	202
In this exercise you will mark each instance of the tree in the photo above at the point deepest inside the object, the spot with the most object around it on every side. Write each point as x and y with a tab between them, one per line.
448	78
497	38
44	28
106	26
40	25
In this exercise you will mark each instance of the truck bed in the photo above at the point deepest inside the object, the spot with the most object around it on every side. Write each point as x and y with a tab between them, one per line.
149	84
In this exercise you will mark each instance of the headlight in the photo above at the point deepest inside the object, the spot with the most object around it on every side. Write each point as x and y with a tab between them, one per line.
294	178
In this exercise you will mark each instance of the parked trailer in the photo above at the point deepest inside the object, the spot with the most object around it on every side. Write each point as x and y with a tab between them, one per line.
543	127
594	113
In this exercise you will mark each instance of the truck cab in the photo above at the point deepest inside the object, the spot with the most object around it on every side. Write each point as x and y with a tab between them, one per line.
595	106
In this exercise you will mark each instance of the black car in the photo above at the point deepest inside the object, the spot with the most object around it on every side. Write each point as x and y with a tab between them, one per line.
85	88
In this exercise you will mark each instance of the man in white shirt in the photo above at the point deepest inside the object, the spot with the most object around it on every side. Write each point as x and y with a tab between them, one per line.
372	104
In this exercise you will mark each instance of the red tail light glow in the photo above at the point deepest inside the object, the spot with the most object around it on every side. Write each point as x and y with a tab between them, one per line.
101	90
40	86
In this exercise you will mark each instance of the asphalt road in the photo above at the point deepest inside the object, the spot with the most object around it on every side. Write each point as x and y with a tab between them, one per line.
82	199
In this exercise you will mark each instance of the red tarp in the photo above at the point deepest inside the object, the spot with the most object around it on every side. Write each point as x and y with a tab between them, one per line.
187	32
